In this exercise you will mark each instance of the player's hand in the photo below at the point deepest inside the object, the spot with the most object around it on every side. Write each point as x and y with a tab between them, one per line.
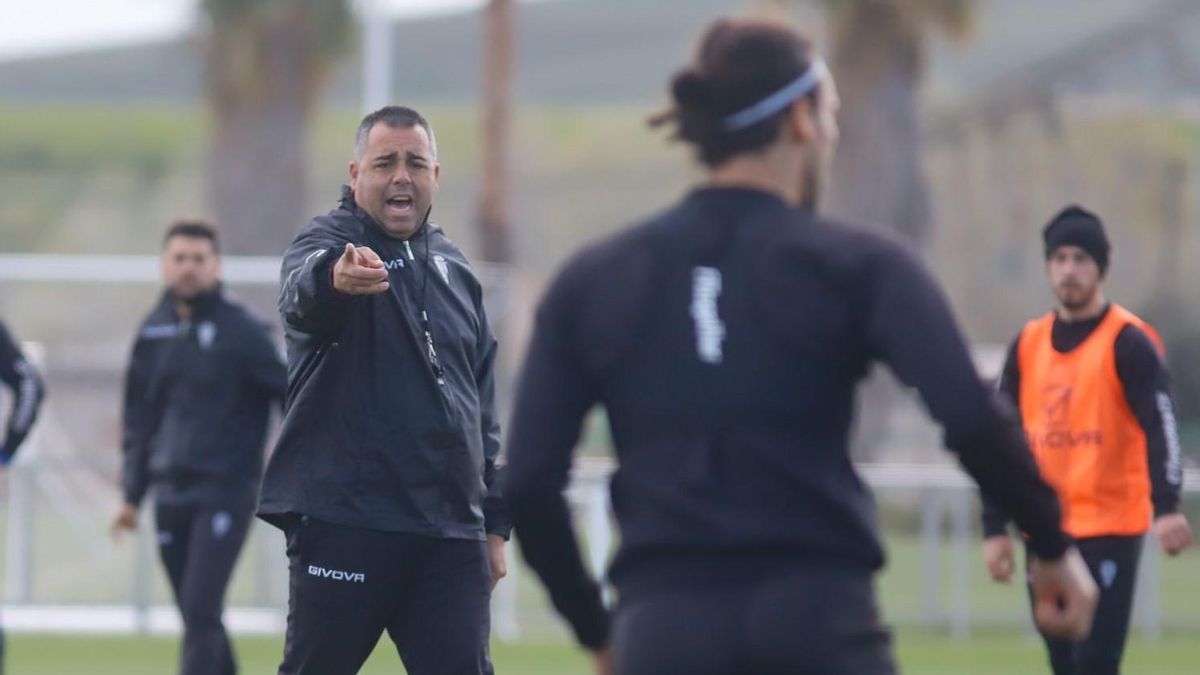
998	555
602	659
1173	533
1064	596
495	544
126	520
359	272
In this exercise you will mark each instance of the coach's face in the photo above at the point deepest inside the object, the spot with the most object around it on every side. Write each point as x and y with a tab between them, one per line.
396	178
1074	276
190	266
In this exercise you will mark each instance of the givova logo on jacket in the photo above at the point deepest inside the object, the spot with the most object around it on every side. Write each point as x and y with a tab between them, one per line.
1059	434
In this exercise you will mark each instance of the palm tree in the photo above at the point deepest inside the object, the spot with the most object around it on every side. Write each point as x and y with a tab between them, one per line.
494	225
266	64
879	57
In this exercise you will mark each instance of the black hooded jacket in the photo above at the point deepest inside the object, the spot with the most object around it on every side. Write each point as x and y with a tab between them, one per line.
198	393
28	391
378	433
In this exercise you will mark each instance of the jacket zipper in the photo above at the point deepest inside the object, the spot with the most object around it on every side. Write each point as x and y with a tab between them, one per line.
430	351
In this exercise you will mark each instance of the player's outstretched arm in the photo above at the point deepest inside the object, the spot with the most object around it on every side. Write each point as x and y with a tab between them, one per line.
910	327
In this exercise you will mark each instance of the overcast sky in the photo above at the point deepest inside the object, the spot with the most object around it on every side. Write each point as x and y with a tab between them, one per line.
33	27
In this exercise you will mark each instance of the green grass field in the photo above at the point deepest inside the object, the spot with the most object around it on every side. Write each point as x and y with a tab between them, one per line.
919	653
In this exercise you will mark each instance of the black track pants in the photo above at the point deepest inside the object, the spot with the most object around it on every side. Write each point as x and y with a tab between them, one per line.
821	623
1113	562
349	585
199	545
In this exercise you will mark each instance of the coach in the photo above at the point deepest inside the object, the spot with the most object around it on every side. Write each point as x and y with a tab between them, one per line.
384	475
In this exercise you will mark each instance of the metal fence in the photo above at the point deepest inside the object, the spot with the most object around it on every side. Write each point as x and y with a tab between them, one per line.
63	574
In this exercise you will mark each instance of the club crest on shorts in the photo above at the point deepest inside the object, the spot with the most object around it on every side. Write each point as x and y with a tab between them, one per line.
1108	573
221	523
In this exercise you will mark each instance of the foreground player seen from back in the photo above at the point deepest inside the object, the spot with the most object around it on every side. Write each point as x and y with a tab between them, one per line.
1091	384
725	338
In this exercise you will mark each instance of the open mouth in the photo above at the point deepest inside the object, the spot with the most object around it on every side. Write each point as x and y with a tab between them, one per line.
400	205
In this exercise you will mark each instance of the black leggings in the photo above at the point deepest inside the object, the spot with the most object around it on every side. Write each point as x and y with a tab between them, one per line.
1113	562
818	623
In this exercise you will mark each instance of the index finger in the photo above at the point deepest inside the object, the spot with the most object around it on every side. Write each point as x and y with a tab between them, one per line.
368	257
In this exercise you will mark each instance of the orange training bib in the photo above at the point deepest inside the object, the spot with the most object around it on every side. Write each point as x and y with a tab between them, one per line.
1088	443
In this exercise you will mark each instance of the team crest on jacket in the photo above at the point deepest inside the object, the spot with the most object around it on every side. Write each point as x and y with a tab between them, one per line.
206	332
439	261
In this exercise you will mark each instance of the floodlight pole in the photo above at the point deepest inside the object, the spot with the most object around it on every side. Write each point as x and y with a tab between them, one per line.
376	55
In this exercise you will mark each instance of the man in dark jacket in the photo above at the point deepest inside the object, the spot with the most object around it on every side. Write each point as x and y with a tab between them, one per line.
27	392
198	391
385	472
20	376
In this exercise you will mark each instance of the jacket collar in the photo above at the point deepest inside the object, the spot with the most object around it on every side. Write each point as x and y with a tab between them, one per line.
202	305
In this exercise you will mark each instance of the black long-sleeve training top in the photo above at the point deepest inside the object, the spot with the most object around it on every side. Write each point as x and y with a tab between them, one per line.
198	393
27	393
386	428
1146	384
725	338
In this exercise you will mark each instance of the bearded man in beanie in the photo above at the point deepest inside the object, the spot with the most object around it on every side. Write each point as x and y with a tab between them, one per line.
1090	382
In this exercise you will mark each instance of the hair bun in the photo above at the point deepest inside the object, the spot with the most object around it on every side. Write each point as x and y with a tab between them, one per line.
690	90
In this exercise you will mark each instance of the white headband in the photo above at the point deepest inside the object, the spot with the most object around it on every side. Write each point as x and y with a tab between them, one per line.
748	117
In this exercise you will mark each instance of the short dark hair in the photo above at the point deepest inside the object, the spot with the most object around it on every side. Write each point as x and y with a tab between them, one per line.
195	229
739	62
395	116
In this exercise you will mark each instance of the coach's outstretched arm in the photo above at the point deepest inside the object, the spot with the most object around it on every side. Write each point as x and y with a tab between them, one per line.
321	273
911	328
552	398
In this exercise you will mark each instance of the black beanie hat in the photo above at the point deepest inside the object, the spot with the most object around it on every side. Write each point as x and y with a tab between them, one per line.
1076	226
